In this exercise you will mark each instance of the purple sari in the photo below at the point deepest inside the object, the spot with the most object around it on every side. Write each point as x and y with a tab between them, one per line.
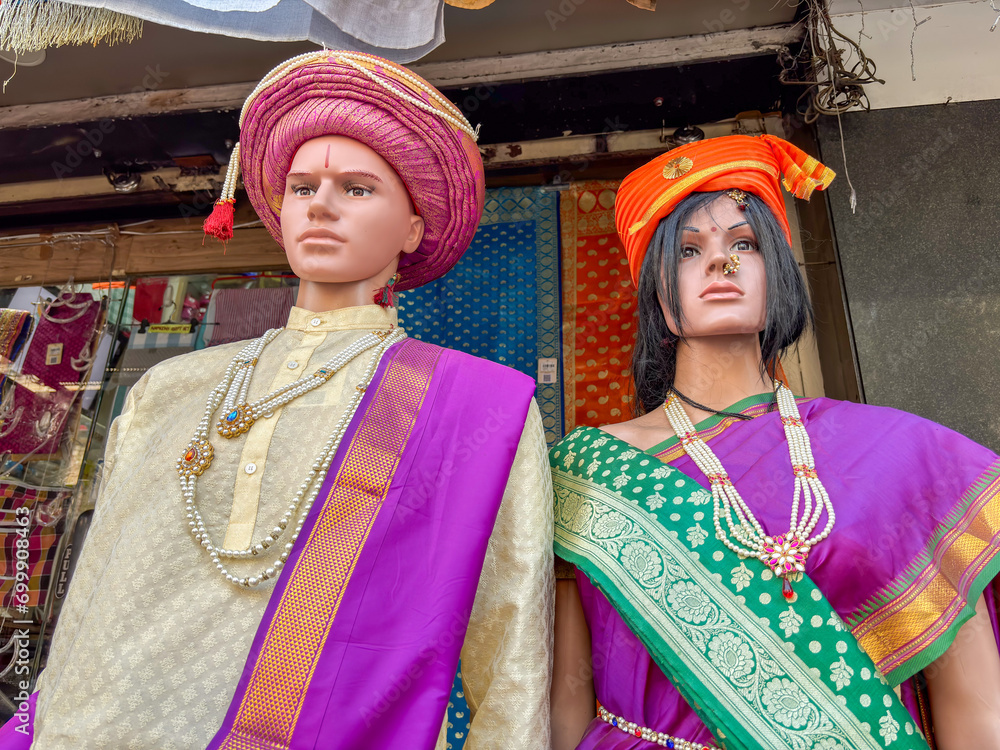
916	541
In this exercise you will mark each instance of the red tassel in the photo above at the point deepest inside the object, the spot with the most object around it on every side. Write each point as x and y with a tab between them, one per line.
220	223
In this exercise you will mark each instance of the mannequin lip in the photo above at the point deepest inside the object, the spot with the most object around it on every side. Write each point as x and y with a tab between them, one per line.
721	290
322	234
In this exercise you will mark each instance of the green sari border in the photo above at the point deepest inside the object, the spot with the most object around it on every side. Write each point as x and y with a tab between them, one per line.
676	602
753	405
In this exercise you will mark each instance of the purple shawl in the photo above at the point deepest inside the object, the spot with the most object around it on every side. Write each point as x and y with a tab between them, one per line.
360	642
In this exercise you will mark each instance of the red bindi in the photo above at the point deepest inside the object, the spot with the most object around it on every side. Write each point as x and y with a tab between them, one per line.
714	228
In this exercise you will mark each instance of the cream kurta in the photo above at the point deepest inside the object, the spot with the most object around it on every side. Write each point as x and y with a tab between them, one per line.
152	640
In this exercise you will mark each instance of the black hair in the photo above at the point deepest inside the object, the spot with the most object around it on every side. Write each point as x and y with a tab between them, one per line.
788	309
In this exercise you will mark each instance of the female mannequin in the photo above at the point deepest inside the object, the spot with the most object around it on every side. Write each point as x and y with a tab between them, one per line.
684	641
329	613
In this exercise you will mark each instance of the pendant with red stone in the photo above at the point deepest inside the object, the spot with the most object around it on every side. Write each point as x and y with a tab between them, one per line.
786	556
196	459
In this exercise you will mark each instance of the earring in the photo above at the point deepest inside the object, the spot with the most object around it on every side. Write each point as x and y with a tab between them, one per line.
732	266
386	296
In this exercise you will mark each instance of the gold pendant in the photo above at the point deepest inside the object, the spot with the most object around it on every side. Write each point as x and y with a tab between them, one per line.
236	422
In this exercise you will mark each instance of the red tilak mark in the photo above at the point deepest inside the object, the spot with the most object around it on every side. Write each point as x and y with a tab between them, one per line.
327	163
714	228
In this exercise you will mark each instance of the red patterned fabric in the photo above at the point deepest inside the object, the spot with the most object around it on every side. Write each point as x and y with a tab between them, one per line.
598	308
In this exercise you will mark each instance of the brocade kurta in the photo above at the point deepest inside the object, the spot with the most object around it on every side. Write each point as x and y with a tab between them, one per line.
151	641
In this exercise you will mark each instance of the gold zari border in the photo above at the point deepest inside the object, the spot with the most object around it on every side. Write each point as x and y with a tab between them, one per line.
912	621
295	638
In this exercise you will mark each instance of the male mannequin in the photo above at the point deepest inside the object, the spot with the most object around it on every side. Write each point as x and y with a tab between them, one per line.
341	627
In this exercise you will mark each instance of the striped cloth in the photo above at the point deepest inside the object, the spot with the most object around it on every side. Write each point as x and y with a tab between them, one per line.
242	314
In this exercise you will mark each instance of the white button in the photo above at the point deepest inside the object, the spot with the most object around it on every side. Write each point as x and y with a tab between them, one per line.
250	468
315	321
292	365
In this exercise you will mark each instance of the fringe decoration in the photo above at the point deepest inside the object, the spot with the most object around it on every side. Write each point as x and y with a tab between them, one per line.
34	25
386	296
219	224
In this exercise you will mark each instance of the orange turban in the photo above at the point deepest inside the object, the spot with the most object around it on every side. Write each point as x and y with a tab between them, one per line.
751	164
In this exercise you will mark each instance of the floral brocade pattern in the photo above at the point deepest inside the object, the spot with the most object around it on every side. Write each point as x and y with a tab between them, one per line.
786	674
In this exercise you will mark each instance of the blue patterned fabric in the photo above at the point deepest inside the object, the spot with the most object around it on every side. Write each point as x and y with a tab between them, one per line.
458	714
500	302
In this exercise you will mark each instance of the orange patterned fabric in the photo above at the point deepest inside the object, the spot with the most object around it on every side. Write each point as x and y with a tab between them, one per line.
273	700
753	164
598	308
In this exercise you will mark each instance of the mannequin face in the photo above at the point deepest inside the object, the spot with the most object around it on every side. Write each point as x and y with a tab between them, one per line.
346	215
715	304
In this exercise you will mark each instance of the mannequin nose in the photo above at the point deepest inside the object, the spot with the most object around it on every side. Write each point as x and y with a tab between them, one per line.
322	205
715	260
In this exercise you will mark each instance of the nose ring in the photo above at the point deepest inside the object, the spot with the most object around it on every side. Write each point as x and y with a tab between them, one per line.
732	266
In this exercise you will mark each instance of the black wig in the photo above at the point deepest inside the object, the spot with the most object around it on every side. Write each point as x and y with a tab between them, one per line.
788	309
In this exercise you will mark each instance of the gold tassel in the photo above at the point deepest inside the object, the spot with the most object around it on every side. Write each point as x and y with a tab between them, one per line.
33	25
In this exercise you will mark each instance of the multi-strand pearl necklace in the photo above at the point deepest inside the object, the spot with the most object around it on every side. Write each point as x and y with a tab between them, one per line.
784	554
198	458
238	416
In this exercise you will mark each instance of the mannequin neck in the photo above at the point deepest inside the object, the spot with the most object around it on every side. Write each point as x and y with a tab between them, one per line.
718	371
323	296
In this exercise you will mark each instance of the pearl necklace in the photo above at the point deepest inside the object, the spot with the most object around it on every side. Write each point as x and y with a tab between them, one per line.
238	416
198	458
784	554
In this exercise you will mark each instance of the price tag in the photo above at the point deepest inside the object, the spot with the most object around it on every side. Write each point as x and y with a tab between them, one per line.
548	370
53	354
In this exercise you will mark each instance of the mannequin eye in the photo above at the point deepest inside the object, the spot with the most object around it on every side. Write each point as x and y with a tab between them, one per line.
303	191
690	252
358	191
744	246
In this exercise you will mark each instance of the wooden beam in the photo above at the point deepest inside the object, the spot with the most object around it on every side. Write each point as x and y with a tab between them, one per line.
157	248
167	255
455	73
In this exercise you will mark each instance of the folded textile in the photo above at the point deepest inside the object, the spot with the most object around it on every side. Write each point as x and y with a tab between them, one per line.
15	327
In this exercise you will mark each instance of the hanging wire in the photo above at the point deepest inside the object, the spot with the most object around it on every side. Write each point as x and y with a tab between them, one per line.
831	87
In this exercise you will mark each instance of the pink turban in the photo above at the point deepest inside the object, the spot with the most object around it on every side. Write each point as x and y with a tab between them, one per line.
381	104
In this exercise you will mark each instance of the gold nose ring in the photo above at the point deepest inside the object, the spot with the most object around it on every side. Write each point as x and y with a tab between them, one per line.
732	266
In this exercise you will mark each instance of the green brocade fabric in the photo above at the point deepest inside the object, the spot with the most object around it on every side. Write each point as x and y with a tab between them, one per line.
761	672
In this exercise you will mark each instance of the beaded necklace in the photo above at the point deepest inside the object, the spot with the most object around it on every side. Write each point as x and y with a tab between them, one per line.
238	416
198	458
785	554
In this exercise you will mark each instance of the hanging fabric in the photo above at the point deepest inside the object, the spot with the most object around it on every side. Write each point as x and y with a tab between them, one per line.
598	307
397	31
241	314
33	415
33	25
501	300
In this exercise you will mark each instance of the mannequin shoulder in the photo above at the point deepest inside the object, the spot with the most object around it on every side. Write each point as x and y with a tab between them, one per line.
642	432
